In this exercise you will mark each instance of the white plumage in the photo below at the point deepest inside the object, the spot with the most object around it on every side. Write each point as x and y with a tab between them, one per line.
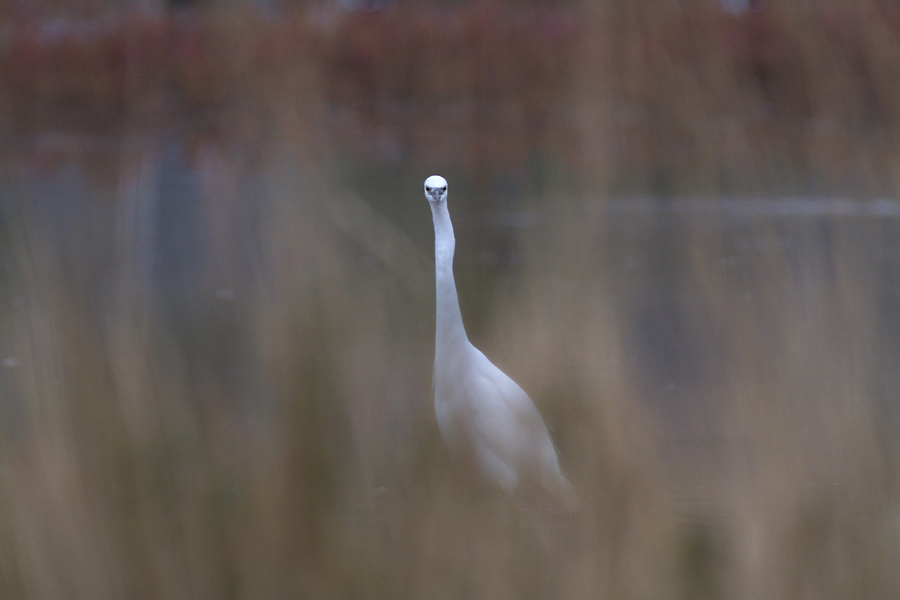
483	415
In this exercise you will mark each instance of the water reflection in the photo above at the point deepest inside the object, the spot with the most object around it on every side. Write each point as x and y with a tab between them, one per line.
745	338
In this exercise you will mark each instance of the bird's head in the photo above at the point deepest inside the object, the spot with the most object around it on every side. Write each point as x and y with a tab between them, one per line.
436	189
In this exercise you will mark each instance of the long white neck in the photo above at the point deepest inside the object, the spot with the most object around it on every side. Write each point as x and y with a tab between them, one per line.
450	334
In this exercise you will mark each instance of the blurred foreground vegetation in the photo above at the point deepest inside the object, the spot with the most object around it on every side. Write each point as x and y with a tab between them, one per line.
216	299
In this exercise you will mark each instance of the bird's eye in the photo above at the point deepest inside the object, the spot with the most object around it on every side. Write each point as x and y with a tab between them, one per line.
443	189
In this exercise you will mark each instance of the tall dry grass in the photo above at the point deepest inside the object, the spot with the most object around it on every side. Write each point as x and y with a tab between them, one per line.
720	390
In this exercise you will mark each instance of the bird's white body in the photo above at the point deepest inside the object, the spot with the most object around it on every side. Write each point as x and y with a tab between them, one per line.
483	415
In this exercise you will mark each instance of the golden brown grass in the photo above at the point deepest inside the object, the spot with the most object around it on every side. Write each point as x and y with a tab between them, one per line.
720	389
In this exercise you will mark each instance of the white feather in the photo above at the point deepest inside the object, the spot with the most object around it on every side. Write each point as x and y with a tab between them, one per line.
483	415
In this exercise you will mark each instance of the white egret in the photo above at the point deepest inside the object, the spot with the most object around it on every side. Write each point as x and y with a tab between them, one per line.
484	416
